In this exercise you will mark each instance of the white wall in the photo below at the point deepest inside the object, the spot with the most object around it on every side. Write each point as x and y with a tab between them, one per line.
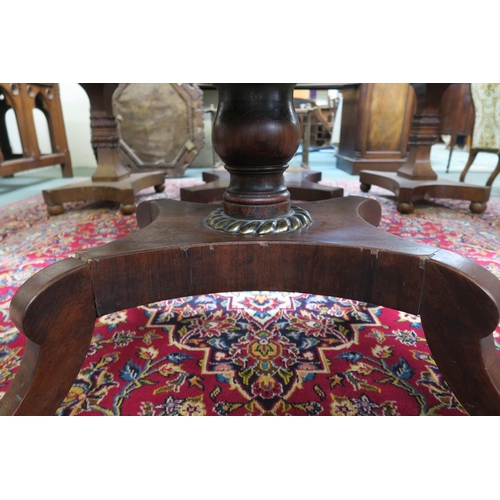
76	113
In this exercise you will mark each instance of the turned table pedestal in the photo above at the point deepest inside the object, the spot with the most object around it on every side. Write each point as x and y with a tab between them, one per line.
257	240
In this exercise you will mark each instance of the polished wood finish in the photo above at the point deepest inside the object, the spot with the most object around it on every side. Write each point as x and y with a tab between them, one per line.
55	310
376	121
416	179
111	180
23	99
160	126
247	142
175	254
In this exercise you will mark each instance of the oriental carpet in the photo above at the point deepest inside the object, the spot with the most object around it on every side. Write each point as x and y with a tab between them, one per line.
246	353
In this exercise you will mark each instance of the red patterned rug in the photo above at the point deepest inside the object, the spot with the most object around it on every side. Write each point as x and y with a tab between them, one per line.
252	353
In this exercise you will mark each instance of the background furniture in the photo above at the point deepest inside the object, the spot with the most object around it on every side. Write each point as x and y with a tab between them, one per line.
486	133
416	180
376	121
455	114
257	241
321	119
160	126
23	99
316	123
111	180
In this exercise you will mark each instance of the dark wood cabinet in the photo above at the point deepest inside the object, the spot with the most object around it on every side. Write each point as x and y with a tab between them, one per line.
376	120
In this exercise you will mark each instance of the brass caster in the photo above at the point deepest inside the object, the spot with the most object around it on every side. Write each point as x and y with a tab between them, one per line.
365	187
159	188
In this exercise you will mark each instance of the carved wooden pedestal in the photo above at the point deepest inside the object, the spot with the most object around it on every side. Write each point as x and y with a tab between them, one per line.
111	181
416	180
257	241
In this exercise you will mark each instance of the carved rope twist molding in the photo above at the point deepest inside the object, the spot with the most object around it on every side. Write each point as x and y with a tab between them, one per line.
296	219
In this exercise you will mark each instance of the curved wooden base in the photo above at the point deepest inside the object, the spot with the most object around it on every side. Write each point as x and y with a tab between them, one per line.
122	191
407	190
342	254
302	184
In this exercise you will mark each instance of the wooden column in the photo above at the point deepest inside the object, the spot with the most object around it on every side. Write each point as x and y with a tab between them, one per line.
255	146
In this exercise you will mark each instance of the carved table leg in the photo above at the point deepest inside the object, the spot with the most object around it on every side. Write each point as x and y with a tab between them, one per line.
329	247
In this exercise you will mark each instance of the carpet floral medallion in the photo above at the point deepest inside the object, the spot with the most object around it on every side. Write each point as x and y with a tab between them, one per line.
245	353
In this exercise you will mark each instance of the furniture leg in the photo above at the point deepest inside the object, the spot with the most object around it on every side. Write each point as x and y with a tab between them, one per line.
494	174
55	310
469	362
470	161
453	141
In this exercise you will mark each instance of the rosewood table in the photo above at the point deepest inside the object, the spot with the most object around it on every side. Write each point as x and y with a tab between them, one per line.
257	240
416	180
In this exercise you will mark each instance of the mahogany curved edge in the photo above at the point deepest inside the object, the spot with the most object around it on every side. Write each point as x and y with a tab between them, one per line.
204	193
302	185
408	190
213	192
438	189
143	180
55	311
365	209
310	191
116	191
218	174
121	191
459	296
457	299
